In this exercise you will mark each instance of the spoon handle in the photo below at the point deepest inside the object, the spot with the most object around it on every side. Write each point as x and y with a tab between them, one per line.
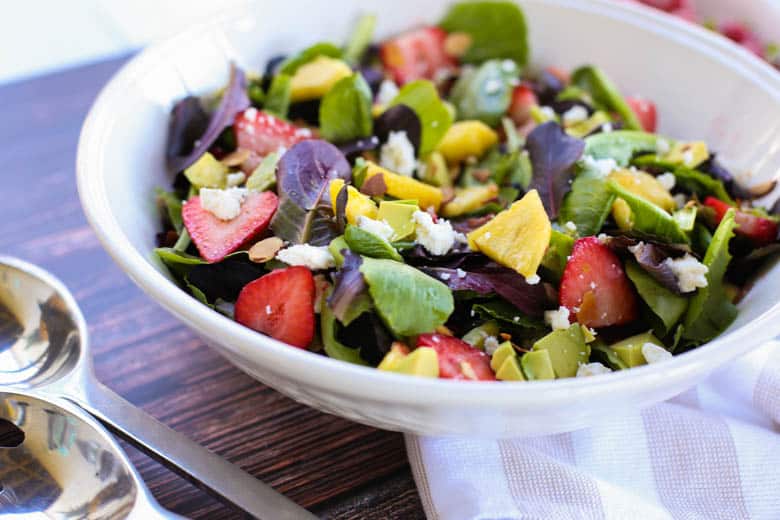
187	458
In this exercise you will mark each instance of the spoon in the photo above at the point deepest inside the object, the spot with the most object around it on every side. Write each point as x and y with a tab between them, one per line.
55	460
44	347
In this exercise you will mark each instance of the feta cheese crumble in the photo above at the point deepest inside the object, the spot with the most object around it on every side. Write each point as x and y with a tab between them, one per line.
663	147
571	226
492	86
687	157
574	115
547	112
667	180
592	369
606	128
379	228
533	279
559	319
397	154
654	354
690	273
490	345
437	238
602	167
387	92
313	257
460	272
680	200
223	204
235	179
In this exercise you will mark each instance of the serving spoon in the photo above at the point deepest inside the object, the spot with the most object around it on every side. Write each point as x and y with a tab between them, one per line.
44	347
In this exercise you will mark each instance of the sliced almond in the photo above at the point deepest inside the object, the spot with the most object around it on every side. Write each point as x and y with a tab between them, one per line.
441	329
457	43
265	250
236	158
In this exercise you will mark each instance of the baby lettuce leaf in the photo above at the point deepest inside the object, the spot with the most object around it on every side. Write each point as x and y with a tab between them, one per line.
349	298
649	219
234	100
408	301
652	258
293	63
508	314
345	112
553	153
360	39
422	97
278	99
588	203
303	175
225	279
368	334
333	347
620	145
172	204
605	94
666	305
365	243
557	254
497	30
689	180
711	311
485	93
188	122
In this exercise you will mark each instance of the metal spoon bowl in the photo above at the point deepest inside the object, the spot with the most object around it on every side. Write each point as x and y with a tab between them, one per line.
43	346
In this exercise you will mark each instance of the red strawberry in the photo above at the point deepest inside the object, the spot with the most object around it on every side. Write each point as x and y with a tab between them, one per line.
262	133
458	359
523	98
280	304
417	54
217	238
645	112
595	288
761	231
664	5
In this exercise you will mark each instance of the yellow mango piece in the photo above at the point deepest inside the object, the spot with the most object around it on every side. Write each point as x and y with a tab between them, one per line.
207	172
644	185
358	204
690	154
394	357
466	139
469	199
402	187
517	237
314	79
423	361
502	353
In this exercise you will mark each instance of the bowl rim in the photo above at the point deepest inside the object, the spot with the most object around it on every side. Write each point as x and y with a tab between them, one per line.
347	379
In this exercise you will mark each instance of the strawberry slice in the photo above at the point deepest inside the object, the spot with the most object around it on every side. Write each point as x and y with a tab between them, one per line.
595	288
417	54
280	304
761	231
645	112
523	98
458	359
263	133
215	238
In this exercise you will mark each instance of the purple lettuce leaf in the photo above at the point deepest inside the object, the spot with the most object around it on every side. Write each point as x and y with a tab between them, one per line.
234	100
651	257
396	119
553	153
187	123
349	286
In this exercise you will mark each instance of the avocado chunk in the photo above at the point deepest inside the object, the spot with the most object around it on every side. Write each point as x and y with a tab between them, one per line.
510	370
567	349
476	337
207	172
537	365
504	351
436	171
590	125
398	215
629	350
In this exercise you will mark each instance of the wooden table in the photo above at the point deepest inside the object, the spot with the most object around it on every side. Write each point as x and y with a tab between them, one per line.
334	467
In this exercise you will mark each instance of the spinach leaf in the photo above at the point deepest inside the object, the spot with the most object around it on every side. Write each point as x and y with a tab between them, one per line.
333	347
689	180
649	219
605	94
663	303
711	311
435	119
225	279
507	314
557	254
365	243
368	334
408	301
588	203
553	153
605	355
345	111
620	145
293	63
277	101
497	30
360	39
172	205
264	176
485	93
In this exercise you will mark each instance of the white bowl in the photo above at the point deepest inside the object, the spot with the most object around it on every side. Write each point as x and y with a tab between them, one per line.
705	88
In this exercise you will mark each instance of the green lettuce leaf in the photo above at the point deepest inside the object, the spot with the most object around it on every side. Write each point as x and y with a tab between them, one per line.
605	94
293	63
277	100
621	145
649	219
588	203
334	348
692	181
345	111
663	303
422	97
360	39
172	204
365	243
557	254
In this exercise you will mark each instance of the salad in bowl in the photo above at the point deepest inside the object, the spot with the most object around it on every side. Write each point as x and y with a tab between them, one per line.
432	205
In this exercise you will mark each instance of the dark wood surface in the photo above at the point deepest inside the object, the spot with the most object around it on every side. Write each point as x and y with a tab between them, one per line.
334	467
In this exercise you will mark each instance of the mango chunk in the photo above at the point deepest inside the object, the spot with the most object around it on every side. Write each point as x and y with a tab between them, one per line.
466	139
207	172
398	215
358	204
517	237
644	185
314	79
397	353
402	187
422	361
469	199
690	154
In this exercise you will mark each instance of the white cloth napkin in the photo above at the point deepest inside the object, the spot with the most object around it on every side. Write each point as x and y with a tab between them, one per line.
713	452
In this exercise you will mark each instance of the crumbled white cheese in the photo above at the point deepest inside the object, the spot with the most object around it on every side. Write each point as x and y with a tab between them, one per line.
387	92
235	179
397	155
490	345
547	112
667	180
574	115
533	279
250	113
603	238
437	238
690	273
654	354
606	128
571	226
602	167
379	228
687	157
313	257
445	276
662	146
592	369
460	272
559	319
493	86
680	200
223	204
508	66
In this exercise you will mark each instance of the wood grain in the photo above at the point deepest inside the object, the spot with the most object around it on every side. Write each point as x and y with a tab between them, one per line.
335	467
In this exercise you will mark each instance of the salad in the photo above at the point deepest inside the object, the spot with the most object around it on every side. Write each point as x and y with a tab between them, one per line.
433	205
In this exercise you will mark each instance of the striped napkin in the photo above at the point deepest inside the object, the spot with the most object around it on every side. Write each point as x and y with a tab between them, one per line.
711	453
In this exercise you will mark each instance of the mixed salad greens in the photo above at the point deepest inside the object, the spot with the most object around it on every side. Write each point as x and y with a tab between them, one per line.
433	205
